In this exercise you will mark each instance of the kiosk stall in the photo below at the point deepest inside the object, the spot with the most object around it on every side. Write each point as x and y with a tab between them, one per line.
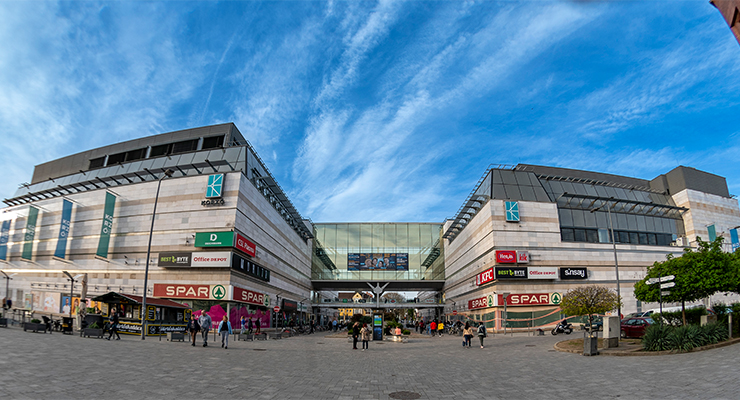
163	316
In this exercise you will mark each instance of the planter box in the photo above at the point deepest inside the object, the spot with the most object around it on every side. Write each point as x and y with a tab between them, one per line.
172	336
92	332
590	346
245	336
35	327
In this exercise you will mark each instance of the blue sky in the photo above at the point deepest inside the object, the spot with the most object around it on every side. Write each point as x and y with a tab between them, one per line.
379	111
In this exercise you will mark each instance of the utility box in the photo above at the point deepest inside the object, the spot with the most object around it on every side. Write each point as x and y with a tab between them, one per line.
612	329
708	319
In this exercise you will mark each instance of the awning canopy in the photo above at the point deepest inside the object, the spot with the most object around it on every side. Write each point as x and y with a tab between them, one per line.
122	298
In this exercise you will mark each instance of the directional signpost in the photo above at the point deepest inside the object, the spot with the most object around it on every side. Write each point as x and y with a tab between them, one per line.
665	283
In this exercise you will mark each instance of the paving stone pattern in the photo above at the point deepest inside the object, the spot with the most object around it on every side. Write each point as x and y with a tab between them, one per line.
43	366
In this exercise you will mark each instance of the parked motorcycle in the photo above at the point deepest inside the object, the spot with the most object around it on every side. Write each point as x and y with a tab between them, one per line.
562	328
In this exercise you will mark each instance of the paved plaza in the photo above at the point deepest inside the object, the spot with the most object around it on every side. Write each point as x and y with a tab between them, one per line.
43	366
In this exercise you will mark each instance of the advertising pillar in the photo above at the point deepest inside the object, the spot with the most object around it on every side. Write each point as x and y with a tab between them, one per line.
377	326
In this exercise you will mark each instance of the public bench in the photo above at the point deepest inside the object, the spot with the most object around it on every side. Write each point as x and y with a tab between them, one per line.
245	336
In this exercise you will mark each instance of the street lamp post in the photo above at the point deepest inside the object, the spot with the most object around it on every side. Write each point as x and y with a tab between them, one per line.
614	246
143	315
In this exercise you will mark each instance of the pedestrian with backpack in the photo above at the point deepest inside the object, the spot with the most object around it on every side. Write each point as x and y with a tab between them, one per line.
481	333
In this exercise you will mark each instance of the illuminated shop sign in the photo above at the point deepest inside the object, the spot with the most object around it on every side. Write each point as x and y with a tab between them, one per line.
573	273
245	245
511	272
531	299
542	273
484	277
482	302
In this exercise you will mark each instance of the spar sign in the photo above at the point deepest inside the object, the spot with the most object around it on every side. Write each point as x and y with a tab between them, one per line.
250	297
185	291
482	302
531	299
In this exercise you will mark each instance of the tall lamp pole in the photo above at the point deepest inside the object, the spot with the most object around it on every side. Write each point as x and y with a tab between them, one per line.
7	293
168	173
614	246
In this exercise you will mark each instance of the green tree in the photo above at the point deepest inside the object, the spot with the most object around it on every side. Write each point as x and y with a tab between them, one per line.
589	300
698	274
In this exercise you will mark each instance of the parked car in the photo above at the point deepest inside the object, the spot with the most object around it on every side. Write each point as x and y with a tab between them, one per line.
598	323
632	315
635	327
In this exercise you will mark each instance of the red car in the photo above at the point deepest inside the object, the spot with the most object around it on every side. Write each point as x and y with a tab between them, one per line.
635	327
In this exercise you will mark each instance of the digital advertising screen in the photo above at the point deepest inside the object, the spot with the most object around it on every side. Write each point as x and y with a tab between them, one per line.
378	261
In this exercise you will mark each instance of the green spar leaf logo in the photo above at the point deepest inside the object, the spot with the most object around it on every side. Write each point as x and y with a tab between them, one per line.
490	300
218	292
555	298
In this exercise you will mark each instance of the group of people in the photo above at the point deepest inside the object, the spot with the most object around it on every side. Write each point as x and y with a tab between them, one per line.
468	334
203	325
248	326
361	332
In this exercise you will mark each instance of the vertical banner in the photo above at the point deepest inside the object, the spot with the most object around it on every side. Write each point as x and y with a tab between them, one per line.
61	250
105	230
733	238
33	214
4	236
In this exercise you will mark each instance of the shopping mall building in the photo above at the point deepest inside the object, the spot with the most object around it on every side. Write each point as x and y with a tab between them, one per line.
227	239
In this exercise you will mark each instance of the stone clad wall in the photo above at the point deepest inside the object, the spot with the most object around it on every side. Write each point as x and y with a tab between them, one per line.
707	209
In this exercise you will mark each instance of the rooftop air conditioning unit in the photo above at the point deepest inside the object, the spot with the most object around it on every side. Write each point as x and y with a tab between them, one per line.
682	242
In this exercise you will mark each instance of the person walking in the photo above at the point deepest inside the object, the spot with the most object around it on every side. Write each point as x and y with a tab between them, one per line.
258	325
433	327
467	334
250	327
334	325
193	327
440	328
422	326
243	323
481	333
205	322
365	332
355	334
114	325
224	328
312	325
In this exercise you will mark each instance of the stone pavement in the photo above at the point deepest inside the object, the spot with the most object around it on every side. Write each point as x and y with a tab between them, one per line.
42	366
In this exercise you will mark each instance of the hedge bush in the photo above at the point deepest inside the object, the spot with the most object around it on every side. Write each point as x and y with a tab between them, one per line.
683	338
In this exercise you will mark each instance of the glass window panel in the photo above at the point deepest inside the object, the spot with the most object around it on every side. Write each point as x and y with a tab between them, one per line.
366	238
652	239
634	238
402	238
522	178
641	223
592	236
568	187
631	195
566	217
580	235
601	190
541	195
624	237
643	238
601	219
590	219
620	221
508	177
632	222
378	242
590	190
557	188
650	224
414	247
604	236
512	192
580	188
527	193
390	237
496	176
578	218
499	192
533	180
621	193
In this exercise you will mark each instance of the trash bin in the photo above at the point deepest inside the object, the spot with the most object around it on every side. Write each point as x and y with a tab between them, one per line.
67	325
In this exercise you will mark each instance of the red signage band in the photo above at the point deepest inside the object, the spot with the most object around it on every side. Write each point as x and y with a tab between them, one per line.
245	245
526	299
180	291
485	277
248	296
506	256
475	304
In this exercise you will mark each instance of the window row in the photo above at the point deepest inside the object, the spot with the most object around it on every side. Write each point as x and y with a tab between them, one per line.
621	221
626	237
158	151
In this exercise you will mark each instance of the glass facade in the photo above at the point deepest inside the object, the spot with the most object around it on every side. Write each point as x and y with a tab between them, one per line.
410	251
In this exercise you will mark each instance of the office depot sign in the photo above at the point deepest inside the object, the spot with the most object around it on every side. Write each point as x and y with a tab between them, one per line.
542	273
484	277
245	245
250	297
211	259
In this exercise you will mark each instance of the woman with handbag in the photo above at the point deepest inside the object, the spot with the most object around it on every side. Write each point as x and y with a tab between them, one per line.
467	334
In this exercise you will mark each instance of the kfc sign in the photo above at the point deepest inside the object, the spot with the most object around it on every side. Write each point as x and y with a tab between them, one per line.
178	291
250	297
527	299
506	256
245	245
484	277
